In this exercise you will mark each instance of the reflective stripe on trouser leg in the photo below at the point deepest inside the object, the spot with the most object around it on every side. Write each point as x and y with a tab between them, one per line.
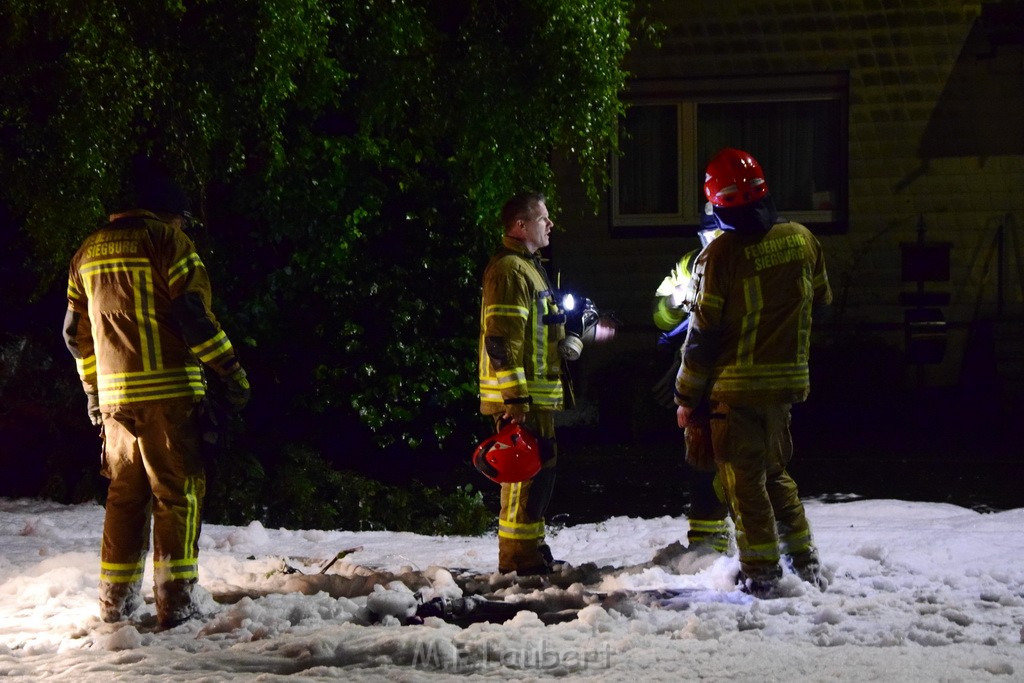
126	520
708	511
741	440
792	526
523	504
179	485
712	532
513	509
164	477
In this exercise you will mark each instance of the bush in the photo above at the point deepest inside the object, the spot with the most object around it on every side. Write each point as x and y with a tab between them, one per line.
306	493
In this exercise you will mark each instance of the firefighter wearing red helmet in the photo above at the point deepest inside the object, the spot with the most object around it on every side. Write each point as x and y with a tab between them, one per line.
746	358
734	178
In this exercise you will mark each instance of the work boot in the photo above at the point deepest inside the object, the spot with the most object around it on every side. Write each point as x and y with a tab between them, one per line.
175	603
760	582
762	589
523	556
689	559
808	568
119	601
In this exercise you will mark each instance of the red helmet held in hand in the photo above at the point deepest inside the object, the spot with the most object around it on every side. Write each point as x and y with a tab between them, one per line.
734	178
510	456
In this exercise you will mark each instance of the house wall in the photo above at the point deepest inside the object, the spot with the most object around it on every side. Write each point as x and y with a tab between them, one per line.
936	139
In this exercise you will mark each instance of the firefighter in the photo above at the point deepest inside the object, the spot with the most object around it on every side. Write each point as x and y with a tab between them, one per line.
708	525
140	328
520	373
746	356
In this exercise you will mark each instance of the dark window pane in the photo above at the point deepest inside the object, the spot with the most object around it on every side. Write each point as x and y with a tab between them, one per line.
649	164
795	142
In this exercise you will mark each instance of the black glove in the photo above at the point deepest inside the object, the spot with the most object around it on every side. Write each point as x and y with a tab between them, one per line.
236	386
93	406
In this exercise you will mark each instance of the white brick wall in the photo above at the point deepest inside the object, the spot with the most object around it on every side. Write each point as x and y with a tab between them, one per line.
907	60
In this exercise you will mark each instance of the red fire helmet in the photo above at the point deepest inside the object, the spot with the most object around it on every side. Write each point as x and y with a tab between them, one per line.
510	456
734	178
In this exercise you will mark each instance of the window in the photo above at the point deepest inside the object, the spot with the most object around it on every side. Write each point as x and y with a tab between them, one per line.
795	126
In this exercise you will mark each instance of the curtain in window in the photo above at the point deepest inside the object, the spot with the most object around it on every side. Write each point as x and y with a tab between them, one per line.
791	140
649	163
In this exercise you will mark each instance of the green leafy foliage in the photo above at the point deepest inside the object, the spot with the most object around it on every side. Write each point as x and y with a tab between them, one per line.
311	495
346	159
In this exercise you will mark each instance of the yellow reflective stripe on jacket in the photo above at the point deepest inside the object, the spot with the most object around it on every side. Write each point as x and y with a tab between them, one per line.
546	393
513	311
490	387
181	268
750	322
131	387
750	329
140	272
710	300
767	377
145	314
86	368
666	317
218	345
113	572
804	333
122	285
541	307
516	300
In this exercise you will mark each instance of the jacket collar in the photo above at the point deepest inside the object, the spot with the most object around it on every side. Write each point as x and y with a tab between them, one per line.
133	213
512	244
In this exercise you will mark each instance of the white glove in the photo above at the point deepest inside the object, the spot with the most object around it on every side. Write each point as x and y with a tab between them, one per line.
677	297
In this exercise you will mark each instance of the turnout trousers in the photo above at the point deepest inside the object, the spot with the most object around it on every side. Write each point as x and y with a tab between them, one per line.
152	458
753	447
708	512
521	545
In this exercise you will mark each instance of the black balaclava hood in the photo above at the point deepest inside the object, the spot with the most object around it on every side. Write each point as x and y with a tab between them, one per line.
752	219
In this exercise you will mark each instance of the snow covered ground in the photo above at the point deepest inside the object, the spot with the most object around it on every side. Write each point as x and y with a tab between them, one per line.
920	592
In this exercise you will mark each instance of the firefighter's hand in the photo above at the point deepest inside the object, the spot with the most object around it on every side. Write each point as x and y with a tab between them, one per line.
93	405
237	389
683	414
678	297
515	412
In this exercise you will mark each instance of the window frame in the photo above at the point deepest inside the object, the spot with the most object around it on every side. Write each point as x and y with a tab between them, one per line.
687	94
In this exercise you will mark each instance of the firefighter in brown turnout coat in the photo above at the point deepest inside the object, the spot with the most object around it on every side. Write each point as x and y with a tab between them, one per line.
520	373
746	358
140	329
